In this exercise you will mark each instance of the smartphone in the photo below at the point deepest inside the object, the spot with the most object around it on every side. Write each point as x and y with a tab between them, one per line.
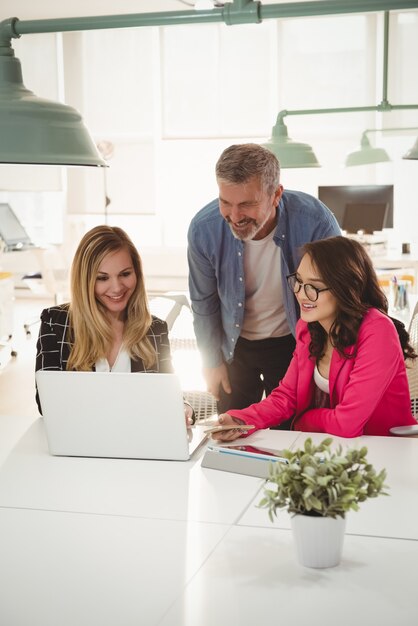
251	452
238	427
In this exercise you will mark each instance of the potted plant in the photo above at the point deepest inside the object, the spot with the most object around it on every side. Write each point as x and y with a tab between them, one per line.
318	487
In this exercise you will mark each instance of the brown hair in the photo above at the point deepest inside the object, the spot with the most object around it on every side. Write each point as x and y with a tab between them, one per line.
346	268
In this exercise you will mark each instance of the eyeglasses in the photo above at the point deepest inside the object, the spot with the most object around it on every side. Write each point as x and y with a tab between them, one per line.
311	292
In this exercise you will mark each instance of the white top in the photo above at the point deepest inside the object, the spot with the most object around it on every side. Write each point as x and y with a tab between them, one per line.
122	363
321	382
264	314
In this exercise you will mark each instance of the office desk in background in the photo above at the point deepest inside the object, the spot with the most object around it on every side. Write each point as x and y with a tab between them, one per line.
392	264
6	304
99	542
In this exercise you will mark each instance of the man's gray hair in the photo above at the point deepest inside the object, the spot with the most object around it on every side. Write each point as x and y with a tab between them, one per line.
241	162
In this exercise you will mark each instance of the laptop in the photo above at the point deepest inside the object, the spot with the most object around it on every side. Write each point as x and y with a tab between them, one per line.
116	415
12	232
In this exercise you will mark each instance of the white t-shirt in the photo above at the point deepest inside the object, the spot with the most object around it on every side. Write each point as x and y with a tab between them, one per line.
320	381
264	313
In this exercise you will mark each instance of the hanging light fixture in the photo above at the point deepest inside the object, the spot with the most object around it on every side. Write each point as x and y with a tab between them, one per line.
290	153
38	131
367	154
34	130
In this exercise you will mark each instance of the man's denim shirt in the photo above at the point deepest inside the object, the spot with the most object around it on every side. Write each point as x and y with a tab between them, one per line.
216	268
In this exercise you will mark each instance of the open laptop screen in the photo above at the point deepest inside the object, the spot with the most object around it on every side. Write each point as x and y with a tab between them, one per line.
116	415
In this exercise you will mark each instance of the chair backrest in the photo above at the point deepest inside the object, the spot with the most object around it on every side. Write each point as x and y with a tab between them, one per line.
203	403
412	368
174	308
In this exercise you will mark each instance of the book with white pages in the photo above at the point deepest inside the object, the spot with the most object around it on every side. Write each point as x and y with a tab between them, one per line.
242	458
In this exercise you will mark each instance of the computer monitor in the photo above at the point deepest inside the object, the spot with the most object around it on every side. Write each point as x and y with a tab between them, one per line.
12	232
360	207
371	216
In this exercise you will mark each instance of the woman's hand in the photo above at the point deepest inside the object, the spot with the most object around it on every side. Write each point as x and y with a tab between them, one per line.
228	435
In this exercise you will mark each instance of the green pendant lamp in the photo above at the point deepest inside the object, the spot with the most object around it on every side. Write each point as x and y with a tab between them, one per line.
290	153
38	131
367	154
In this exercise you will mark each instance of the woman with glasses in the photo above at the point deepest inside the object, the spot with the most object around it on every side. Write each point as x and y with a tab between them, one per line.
348	375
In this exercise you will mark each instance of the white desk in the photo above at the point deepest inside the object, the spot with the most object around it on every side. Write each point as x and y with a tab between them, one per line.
98	542
22	261
6	304
31	478
252	578
64	569
393	516
392	260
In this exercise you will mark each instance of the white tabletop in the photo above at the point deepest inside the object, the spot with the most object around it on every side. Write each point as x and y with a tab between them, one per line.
102	570
394	515
177	490
66	569
98	542
252	578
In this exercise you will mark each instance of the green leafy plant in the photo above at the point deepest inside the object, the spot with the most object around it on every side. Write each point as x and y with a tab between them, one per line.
320	482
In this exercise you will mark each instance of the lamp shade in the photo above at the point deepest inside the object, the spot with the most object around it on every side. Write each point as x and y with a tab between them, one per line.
367	154
290	153
38	131
412	152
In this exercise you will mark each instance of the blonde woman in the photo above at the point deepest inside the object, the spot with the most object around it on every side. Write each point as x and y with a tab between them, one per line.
107	326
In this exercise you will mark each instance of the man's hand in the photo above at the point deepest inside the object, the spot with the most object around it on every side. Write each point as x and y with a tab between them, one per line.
215	378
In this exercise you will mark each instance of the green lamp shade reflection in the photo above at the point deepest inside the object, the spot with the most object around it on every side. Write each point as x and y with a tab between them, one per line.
38	131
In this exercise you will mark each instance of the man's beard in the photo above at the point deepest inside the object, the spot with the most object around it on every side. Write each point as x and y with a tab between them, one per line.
249	231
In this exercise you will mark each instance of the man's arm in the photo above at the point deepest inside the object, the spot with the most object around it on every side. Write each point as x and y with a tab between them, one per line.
327	226
205	302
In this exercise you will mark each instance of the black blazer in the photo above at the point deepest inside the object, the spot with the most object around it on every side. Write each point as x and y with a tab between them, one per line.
53	349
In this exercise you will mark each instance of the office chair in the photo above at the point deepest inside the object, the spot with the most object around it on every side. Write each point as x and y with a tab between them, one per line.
168	305
184	351
412	373
412	368
203	403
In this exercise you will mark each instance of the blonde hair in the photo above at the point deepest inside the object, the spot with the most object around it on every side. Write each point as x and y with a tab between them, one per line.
90	331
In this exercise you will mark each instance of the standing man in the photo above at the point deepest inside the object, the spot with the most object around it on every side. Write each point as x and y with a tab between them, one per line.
241	247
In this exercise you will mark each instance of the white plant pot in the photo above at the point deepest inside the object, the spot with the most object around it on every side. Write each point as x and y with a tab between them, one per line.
318	540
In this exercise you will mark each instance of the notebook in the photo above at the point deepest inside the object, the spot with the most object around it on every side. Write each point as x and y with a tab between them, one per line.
242	459
116	415
12	232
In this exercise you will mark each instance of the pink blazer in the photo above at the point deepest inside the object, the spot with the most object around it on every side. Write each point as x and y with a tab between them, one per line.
368	393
